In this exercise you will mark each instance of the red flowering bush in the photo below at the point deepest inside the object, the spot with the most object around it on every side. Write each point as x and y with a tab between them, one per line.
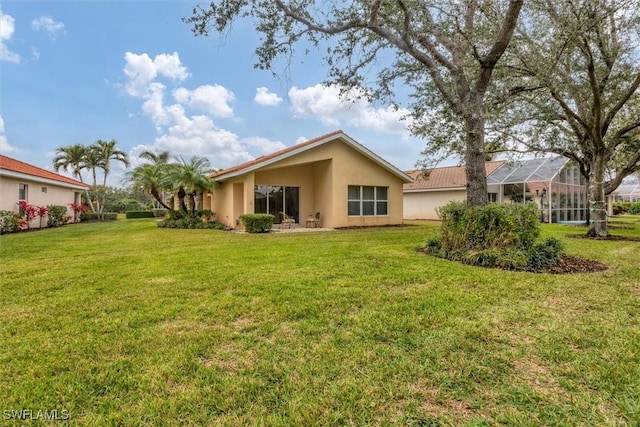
78	208
42	211
27	212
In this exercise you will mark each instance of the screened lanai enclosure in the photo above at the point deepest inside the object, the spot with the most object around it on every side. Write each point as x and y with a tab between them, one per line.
628	192
553	183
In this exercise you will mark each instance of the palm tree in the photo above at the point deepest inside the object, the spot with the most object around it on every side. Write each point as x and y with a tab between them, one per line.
99	155
71	157
160	160
92	162
152	179
106	151
155	158
190	178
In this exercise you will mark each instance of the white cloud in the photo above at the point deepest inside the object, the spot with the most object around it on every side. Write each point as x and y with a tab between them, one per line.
301	139
179	133
266	98
49	25
141	70
6	32
199	136
326	104
211	99
5	147
153	105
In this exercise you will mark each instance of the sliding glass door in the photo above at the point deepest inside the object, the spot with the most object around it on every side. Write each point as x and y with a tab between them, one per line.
274	199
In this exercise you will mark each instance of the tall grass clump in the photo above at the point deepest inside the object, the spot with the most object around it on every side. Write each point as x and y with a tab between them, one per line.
495	235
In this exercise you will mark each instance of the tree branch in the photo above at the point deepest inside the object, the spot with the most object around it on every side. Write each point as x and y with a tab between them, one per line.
488	63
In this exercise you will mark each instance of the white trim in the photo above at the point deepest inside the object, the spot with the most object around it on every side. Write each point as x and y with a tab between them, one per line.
33	178
358	147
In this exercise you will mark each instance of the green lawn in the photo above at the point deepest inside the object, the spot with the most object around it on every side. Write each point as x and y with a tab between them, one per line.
123	323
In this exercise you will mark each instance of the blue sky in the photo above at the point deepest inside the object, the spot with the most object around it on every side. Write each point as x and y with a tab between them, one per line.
77	71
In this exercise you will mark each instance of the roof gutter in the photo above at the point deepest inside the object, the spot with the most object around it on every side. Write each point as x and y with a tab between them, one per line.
20	175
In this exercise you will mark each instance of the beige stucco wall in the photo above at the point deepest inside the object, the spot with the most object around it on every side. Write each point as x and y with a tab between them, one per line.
54	195
323	174
423	204
352	168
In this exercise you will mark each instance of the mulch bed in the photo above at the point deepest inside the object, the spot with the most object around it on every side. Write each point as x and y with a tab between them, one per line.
570	264
567	264
611	237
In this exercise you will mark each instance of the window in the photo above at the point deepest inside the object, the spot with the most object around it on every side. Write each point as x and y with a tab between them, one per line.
43	189
364	200
22	191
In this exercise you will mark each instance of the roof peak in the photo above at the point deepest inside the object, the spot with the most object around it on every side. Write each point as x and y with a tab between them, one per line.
305	145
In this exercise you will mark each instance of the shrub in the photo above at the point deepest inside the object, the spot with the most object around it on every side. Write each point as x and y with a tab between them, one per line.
57	216
494	226
205	214
93	216
632	208
257	223
620	208
190	222
9	222
545	254
496	235
160	212
138	214
28	212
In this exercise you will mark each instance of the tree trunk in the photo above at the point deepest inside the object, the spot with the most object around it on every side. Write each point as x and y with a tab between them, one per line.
156	195
192	197
181	196
474	157
587	197
90	201
597	202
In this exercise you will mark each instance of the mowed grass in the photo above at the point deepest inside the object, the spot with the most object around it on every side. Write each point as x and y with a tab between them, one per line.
123	323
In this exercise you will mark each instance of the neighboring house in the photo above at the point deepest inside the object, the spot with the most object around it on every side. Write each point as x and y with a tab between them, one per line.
333	175
427	193
37	186
553	183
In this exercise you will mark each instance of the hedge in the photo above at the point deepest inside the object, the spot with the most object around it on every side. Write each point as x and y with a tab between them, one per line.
257	223
138	214
93	216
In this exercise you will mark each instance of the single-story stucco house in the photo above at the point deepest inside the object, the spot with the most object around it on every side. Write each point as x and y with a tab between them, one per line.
426	193
333	175
36	186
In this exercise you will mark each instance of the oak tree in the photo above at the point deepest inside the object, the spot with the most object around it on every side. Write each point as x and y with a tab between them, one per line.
575	68
444	51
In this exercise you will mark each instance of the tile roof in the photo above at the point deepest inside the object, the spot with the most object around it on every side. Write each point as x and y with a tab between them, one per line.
13	165
444	177
294	149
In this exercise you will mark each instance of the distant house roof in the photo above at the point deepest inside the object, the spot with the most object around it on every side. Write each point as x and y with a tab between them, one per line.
302	147
444	178
17	169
